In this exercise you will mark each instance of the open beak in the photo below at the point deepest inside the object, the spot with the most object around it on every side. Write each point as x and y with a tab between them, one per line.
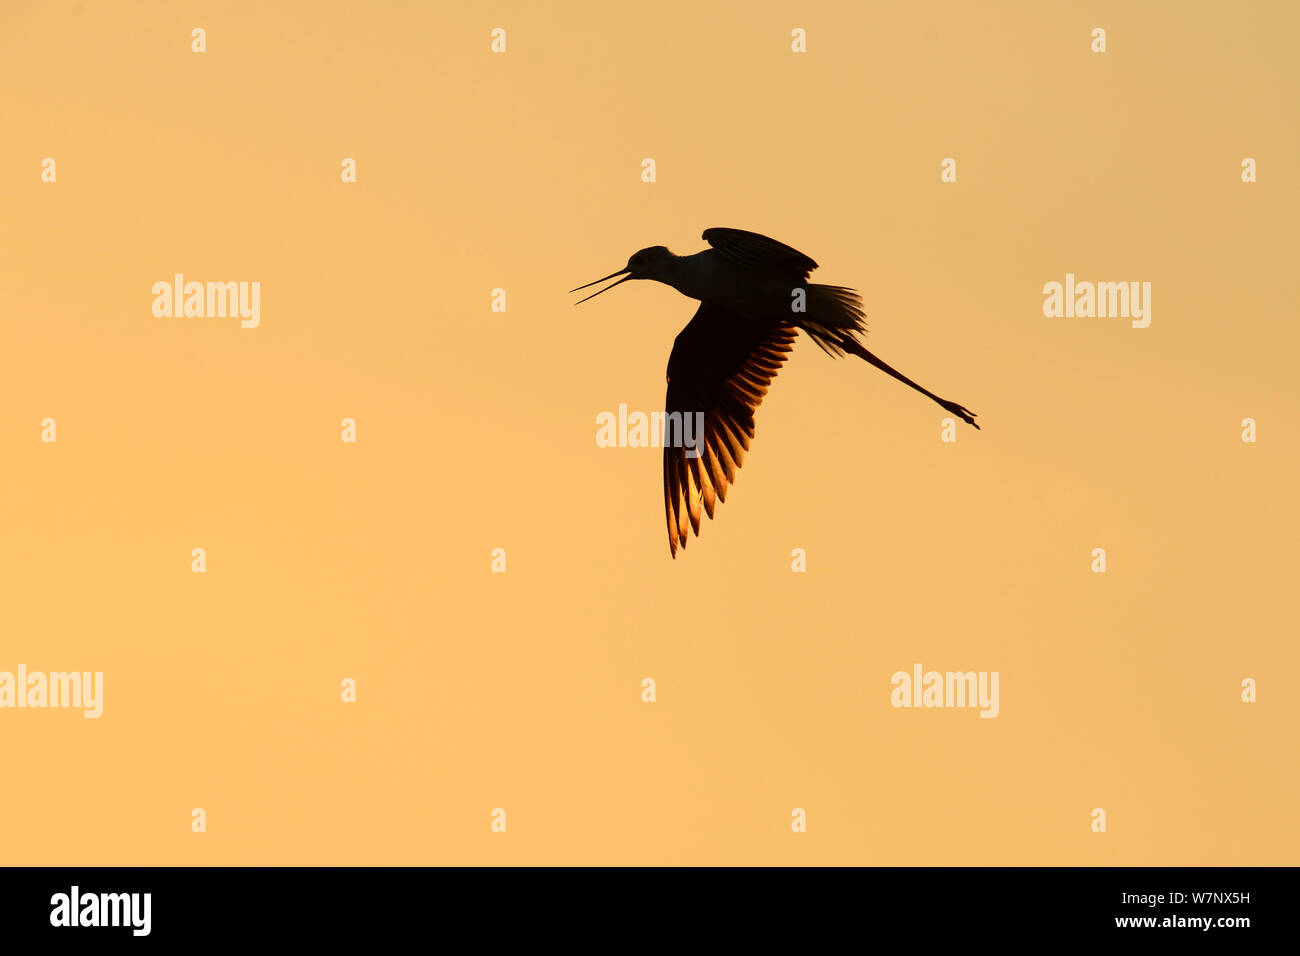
620	272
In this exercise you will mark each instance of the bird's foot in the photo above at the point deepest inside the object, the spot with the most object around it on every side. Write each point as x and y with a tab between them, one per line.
965	414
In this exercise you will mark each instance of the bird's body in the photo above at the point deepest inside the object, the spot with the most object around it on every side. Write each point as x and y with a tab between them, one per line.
709	277
753	294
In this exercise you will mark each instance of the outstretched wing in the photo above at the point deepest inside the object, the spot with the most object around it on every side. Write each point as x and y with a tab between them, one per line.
721	366
752	251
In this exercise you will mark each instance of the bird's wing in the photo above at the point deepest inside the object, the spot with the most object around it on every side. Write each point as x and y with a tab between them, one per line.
752	251
721	366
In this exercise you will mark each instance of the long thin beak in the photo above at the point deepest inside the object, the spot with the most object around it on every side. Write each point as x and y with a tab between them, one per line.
620	272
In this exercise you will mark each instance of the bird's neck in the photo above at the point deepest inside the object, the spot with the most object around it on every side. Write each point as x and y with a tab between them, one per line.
686	274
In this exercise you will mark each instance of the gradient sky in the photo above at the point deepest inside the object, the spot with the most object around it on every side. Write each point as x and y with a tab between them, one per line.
476	431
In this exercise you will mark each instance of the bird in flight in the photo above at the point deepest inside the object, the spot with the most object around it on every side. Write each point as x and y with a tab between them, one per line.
754	294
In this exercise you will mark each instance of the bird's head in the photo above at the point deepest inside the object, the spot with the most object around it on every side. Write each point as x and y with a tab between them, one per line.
654	262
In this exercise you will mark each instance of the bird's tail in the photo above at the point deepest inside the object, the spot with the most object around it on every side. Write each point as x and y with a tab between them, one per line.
833	316
834	321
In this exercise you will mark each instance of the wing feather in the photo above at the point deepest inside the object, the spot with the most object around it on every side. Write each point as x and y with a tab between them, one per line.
721	365
750	250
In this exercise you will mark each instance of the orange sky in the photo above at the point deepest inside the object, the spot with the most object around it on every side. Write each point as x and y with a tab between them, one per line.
522	690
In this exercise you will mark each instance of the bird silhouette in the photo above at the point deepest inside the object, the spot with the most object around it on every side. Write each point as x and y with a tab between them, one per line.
754	294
